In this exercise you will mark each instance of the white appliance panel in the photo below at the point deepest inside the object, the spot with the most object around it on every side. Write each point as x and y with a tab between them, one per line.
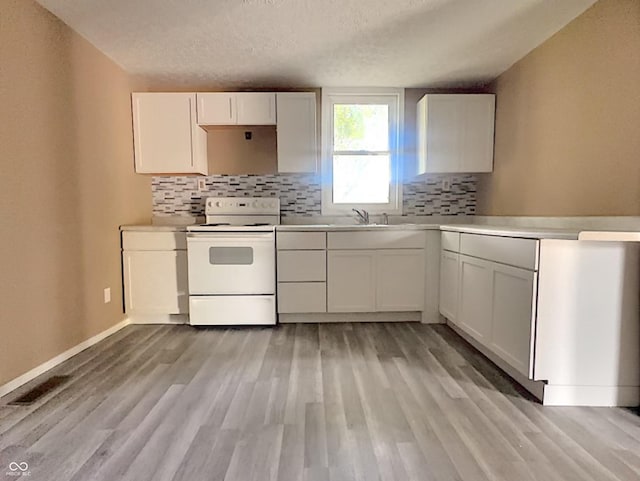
232	310
231	263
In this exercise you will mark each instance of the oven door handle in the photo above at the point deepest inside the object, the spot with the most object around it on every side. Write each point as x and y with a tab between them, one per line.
199	237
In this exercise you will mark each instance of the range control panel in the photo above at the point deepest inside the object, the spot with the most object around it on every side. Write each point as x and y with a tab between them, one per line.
242	205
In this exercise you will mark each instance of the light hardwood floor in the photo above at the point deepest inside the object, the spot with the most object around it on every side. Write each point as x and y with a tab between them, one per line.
305	402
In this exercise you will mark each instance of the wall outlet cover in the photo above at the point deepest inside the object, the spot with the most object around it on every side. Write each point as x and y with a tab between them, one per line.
446	185
202	185
107	295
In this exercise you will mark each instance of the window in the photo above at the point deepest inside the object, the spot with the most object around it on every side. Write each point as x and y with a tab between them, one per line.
360	145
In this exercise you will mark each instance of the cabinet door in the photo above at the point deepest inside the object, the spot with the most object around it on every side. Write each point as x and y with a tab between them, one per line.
400	277
155	282
297	143
475	298
513	314
256	108
217	108
351	281
449	285
455	133
477	135
167	139
445	118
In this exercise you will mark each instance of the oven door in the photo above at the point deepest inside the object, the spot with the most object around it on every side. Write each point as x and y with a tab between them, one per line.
231	263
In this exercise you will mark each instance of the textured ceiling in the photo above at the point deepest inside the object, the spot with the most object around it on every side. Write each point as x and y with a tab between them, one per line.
285	43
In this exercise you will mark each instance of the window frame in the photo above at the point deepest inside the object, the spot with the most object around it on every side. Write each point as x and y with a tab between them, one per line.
394	98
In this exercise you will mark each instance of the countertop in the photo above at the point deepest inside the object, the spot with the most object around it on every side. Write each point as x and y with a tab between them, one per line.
495	230
154	228
610	236
504	231
353	227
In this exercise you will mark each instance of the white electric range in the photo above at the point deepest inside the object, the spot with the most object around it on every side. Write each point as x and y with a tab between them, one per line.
232	262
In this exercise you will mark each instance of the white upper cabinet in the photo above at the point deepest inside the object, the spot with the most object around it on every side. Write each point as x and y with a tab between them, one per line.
455	133
256	108
297	142
167	139
217	108
236	108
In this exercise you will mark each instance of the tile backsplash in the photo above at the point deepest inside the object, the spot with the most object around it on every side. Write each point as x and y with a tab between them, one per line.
300	193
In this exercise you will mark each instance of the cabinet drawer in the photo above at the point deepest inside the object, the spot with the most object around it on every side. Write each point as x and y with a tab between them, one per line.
506	250
300	266
301	240
154	241
451	241
302	297
396	239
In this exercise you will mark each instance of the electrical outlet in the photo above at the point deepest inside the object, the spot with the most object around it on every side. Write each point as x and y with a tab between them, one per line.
202	185
107	295
446	185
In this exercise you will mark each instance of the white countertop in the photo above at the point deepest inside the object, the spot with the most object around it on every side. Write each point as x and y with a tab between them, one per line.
610	236
154	228
509	231
353	227
495	230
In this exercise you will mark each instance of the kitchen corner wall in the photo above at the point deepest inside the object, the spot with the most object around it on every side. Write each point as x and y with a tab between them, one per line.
300	194
67	183
568	122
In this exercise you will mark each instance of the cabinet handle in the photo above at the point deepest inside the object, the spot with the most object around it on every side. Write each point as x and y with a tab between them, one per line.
230	110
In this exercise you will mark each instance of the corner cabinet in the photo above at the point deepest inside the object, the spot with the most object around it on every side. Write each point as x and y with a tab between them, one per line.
297	132
455	133
166	136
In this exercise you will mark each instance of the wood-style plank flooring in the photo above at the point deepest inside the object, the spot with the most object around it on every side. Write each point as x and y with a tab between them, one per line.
396	401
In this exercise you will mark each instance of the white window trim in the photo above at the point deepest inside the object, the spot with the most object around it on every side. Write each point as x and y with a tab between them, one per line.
334	95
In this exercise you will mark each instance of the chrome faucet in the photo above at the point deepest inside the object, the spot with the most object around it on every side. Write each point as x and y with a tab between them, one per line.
385	218
362	216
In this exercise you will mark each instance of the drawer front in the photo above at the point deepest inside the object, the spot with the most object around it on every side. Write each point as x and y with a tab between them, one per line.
506	250
301	240
154	241
301	266
451	241
396	239
302	297
232	310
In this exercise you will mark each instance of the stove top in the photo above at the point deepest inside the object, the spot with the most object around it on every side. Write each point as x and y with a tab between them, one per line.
240	214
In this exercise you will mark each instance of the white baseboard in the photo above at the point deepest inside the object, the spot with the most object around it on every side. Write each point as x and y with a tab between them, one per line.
350	317
60	358
596	396
159	318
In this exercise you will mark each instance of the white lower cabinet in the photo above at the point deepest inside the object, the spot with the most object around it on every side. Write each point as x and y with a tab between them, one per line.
400	280
497	307
475	297
386	280
351	285
155	282
302	297
449	285
513	312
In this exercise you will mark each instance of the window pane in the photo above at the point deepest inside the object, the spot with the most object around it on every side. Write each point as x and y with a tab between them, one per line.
361	179
360	127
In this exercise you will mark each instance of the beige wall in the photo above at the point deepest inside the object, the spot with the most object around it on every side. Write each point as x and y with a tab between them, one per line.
568	122
67	182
